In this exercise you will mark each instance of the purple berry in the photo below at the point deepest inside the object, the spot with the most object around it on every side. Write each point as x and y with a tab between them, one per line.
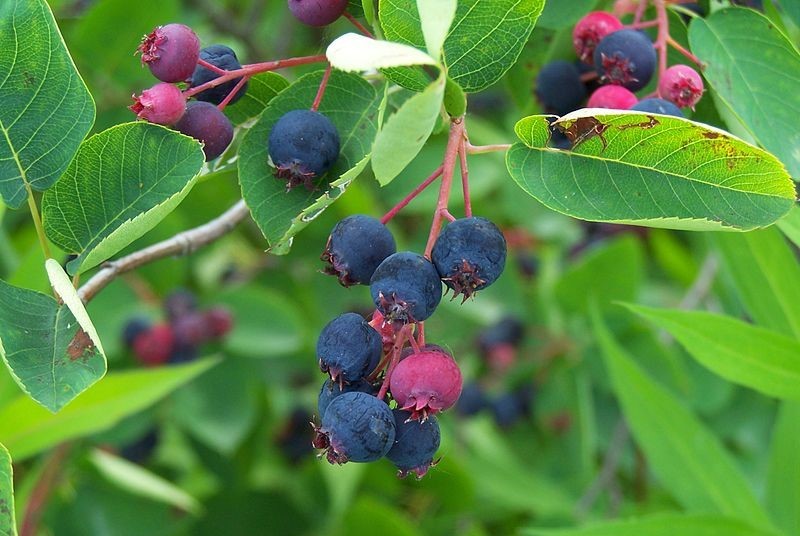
356	427
179	303
657	106
332	389
204	122
626	58
191	330
469	255
415	444
426	383
349	348
162	104
303	145
317	12
219	322
612	97
590	30
154	346
171	52
224	58
355	248
133	329
406	288
681	85
559	87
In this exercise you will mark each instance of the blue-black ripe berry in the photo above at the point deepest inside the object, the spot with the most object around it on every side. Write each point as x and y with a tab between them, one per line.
356	427
472	400
356	246
406	288
470	255
224	58
657	106
559	87
415	444
626	58
349	348
303	145
206	123
332	389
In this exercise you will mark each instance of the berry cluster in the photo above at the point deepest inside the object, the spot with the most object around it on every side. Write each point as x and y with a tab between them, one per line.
179	338
386	385
624	60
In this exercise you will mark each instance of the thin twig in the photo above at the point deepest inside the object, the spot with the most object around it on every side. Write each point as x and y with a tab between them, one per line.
619	439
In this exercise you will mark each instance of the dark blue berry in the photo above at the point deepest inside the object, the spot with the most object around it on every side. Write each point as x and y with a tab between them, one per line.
406	288
559	87
415	444
626	58
224	58
511	407
657	106
140	450
356	246
469	255
472	400
349	348
332	389
508	331
303	145
206	123
134	328
356	427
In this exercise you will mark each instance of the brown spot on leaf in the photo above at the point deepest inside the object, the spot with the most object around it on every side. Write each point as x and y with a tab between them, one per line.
80	346
650	123
583	129
711	135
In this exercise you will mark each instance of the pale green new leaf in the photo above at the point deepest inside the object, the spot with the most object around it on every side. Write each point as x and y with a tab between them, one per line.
46	109
122	182
661	525
651	170
435	19
689	461
353	52
783	473
8	523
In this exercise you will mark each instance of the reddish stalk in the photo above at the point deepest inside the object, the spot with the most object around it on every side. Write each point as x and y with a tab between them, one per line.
637	18
321	91
361	27
421	333
396	350
462	155
677	46
41	491
211	67
253	69
446	214
642	25
232	93
663	35
410	197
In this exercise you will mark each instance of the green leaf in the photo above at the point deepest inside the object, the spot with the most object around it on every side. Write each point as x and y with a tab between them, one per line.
657	171
137	480
261	89
783	473
758	83
405	132
435	19
484	40
122	182
27	429
46	109
50	347
558	15
687	458
767	276
351	103
790	225
8	524
660	525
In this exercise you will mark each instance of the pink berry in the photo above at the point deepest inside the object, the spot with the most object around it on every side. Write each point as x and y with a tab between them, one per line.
163	104
681	85
426	383
317	12
171	52
154	346
219	322
613	97
590	30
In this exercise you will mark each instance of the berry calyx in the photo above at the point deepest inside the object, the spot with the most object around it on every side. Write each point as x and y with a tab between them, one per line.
625	58
224	58
426	383
162	104
681	85
206	123
406	288
559	87
657	106
612	97
348	348
303	145
590	30
355	248
317	12
415	444
171	52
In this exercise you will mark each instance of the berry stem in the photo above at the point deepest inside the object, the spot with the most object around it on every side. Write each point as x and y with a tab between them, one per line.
480	149
448	216
361	27
455	140
680	48
462	155
637	18
211	67
404	332
321	91
410	197
421	333
642	25
663	35
253	69
232	93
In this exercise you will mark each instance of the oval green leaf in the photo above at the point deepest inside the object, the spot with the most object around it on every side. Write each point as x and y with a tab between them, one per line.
261	89
351	103
754	69
47	109
651	170
122	182
8	524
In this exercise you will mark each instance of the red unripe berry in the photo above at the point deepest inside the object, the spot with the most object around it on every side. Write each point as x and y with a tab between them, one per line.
681	85
163	104
171	52
219	321
612	97
154	346
590	30
426	383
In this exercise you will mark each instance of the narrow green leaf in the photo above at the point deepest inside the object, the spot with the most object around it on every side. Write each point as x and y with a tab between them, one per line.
122	182
261	89
8	523
352	104
652	170
27	429
406	131
435	19
368	6
355	52
783	473
767	275
790	225
46	109
758	83
739	352
661	525
137	480
672	437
